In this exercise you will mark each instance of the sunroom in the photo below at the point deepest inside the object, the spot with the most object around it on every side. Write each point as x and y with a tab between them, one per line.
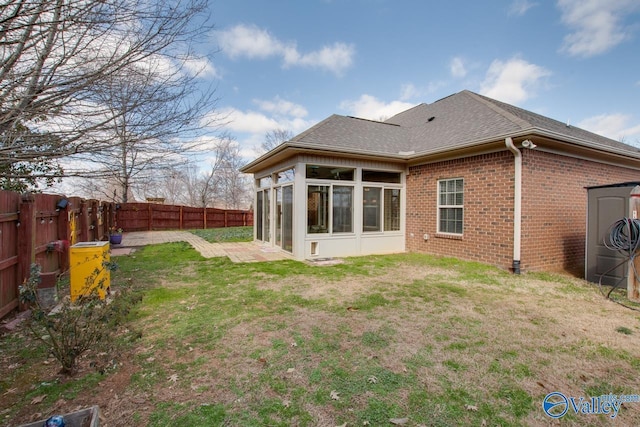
315	207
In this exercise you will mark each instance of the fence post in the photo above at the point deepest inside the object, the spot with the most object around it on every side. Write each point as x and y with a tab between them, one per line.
94	220
150	212
64	233
225	219
181	218
112	217
204	216
26	236
84	222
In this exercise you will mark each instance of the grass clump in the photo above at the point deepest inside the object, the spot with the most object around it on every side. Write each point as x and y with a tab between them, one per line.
624	330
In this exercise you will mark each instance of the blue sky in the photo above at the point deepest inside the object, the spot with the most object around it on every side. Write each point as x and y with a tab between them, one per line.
291	63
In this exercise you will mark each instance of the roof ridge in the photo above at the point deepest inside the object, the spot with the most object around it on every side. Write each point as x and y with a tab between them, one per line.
313	128
372	121
405	111
523	124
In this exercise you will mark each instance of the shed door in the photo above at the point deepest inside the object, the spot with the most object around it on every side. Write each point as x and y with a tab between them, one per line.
606	206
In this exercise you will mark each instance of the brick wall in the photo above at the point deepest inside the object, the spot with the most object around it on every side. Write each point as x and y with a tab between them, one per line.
554	205
554	208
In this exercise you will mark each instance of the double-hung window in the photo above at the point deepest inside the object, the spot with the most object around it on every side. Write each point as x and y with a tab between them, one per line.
451	206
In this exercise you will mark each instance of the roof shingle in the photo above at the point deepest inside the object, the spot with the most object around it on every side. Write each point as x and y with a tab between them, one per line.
462	119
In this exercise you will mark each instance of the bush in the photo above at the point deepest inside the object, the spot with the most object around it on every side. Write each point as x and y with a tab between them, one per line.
72	328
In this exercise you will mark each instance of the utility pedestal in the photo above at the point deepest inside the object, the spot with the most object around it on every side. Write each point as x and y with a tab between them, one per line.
89	270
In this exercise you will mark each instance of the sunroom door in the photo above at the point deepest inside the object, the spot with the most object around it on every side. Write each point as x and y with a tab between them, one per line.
279	216
287	218
284	217
266	205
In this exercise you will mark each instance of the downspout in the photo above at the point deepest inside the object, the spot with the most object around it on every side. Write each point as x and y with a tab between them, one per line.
517	204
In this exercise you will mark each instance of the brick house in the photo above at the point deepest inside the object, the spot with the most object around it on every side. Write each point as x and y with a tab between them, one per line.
466	176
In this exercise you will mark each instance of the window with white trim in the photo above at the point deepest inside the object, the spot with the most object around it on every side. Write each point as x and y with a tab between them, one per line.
329	209
450	206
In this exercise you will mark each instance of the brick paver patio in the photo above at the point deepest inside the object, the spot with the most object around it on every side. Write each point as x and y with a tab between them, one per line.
237	252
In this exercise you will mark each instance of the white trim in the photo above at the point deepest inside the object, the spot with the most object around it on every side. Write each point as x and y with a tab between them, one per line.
439	206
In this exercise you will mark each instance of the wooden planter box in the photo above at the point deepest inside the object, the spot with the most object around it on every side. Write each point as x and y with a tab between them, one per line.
89	417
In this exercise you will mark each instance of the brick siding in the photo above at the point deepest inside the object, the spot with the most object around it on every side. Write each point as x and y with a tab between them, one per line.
554	205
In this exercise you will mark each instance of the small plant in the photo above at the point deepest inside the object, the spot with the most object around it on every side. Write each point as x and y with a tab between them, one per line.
624	330
71	328
115	230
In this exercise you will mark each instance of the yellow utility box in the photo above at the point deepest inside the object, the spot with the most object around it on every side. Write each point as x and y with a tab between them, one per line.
88	263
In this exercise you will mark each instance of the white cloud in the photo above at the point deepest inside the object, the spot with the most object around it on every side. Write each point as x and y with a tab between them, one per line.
615	126
250	41
249	121
513	81
257	124
369	107
250	127
457	68
520	7
596	25
281	107
336	58
201	67
409	91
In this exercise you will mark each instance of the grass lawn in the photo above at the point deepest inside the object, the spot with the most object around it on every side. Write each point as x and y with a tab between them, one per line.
410	338
230	234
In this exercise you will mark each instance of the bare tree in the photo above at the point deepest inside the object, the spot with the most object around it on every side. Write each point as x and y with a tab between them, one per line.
56	59
158	116
209	184
221	184
169	185
273	138
233	186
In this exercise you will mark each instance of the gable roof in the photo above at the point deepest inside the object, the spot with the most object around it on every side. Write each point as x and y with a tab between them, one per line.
462	121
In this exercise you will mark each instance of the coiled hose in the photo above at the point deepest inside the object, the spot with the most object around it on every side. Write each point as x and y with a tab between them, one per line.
624	237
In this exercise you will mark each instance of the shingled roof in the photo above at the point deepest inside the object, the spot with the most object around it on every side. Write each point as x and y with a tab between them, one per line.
462	120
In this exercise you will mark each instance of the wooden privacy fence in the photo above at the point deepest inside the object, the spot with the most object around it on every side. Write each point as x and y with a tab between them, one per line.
40	228
152	216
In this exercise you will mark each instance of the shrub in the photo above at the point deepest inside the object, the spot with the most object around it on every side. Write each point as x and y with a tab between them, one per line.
72	328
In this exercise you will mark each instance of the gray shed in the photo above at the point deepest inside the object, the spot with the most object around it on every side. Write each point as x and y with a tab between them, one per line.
606	204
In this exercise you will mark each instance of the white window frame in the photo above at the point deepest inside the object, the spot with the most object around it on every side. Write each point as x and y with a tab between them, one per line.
382	203
331	185
449	206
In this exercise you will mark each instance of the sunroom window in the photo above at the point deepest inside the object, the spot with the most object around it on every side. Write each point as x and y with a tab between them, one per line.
329	207
391	209
318	209
342	209
371	209
330	172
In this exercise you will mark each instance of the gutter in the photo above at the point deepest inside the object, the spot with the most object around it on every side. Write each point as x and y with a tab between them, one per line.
517	204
